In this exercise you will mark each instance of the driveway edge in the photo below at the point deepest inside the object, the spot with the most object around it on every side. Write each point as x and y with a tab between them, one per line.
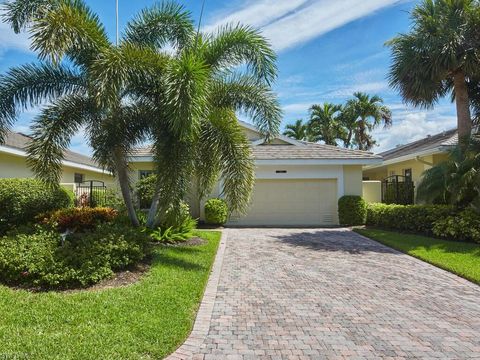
204	315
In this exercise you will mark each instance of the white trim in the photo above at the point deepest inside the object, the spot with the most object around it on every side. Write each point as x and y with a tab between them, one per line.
22	153
412	156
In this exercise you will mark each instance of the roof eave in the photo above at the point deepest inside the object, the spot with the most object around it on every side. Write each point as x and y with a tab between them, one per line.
413	156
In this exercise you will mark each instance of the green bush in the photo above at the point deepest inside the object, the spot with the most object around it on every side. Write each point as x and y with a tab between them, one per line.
216	212
145	189
352	210
177	225
23	199
40	259
411	218
464	226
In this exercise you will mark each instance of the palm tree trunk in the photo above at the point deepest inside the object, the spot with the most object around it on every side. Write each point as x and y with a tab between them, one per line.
462	102
123	180
152	212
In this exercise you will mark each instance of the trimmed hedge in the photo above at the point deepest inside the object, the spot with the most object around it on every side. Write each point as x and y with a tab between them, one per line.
216	212
40	260
411	218
464	226
23	199
352	210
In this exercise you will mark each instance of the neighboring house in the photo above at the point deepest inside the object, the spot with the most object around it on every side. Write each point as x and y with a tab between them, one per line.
297	183
412	159
76	167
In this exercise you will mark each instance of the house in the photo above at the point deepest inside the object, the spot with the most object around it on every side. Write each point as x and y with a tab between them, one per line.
76	167
297	183
412	159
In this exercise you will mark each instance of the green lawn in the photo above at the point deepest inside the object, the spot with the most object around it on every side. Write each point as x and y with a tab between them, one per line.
147	320
459	258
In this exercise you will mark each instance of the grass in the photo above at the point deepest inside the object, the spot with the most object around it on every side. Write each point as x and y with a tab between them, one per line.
457	257
146	320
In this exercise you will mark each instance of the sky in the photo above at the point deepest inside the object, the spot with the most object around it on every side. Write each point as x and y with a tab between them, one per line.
327	50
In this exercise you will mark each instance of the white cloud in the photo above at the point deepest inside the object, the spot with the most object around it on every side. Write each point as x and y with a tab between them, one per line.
293	22
412	126
255	13
10	40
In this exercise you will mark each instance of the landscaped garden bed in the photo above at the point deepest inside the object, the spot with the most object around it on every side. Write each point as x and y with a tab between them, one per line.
146	320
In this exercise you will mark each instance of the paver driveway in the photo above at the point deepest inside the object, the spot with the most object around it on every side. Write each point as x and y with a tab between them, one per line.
308	293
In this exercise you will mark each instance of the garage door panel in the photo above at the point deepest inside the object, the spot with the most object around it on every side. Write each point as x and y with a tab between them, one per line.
292	202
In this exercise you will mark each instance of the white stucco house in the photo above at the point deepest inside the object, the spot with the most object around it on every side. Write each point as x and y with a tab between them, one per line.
297	183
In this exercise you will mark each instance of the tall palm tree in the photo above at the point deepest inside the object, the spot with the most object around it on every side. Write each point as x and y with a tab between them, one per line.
368	112
137	91
439	56
324	124
298	130
209	78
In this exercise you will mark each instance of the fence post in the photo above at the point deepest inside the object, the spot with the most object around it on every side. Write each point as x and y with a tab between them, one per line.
91	194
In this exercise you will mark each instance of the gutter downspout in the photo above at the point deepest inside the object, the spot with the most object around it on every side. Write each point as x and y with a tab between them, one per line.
423	161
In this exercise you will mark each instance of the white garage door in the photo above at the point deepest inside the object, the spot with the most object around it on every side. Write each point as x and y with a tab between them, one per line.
302	202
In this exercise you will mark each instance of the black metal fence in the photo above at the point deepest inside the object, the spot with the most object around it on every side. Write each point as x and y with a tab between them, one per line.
91	193
398	189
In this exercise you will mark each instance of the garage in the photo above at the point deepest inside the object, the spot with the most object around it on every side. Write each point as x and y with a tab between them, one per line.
292	202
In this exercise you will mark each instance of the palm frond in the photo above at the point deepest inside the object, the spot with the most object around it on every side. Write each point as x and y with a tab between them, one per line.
51	134
20	13
256	99
162	24
234	45
236	161
70	28
32	85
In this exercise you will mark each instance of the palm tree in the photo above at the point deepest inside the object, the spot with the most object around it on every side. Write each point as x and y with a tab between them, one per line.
135	90
324	124
198	133
455	181
439	56
367	113
297	130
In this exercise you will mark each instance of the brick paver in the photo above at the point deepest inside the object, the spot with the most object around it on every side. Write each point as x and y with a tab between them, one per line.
314	294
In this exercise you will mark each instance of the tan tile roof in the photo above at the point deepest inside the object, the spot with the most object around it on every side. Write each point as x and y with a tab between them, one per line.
308	151
20	141
434	142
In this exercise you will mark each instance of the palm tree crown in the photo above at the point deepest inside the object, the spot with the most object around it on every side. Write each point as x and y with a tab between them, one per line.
297	130
367	112
440	55
324	124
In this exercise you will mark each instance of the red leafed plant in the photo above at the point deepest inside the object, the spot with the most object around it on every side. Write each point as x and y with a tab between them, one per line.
79	218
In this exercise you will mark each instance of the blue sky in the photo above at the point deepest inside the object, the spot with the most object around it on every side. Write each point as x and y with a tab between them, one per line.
327	49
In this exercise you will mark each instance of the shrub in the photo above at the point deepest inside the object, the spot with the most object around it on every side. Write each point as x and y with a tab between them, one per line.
464	226
78	219
352	210
177	225
23	199
411	218
216	212
145	189
40	260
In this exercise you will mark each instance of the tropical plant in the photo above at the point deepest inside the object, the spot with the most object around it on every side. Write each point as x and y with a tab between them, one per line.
440	55
325	124
298	130
75	57
364	113
455	181
198	138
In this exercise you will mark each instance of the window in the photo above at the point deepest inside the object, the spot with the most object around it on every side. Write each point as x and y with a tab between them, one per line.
144	173
78	178
408	174
392	173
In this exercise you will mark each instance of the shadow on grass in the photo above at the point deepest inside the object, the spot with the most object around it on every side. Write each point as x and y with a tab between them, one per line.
333	241
167	259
